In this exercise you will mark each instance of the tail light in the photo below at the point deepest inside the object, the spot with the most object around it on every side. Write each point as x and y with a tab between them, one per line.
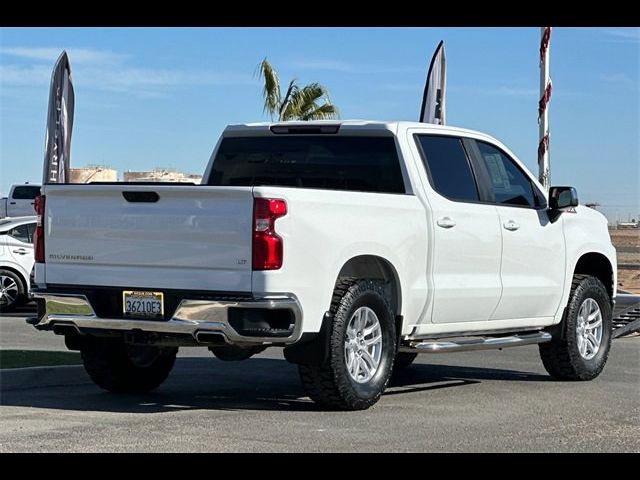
267	245
38	235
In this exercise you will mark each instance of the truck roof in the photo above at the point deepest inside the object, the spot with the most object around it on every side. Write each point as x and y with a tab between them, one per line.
15	221
352	125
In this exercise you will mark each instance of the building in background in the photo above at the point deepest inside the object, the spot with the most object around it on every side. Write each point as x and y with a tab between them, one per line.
93	173
161	175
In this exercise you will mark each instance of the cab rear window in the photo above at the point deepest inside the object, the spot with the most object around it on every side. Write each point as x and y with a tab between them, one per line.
364	164
26	193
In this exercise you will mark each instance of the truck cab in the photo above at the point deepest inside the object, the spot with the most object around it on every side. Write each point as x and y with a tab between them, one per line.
20	201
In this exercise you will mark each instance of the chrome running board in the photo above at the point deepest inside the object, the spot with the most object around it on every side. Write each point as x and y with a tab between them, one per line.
466	344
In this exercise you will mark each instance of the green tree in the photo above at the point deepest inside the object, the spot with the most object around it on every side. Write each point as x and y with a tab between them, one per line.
310	102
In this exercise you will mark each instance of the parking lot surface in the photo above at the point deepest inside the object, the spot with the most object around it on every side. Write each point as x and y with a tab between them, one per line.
471	401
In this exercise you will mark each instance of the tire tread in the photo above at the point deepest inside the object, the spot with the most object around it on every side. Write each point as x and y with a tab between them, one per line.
321	383
560	360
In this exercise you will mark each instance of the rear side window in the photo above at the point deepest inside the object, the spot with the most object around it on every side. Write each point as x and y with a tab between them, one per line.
510	185
448	167
365	164
26	193
24	233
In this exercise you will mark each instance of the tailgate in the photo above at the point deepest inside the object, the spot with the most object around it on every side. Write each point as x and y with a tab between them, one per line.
192	237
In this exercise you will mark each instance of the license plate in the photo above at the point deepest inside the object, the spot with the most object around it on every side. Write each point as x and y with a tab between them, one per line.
142	304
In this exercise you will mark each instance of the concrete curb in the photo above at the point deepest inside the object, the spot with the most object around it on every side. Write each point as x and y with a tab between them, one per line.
35	377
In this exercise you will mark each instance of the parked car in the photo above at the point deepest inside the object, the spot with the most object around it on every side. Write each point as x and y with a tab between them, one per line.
20	201
16	260
354	245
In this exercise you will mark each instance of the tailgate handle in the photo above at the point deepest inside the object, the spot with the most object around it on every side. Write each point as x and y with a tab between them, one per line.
148	197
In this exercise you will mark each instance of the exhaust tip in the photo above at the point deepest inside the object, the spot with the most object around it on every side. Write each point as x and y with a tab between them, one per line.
65	329
210	338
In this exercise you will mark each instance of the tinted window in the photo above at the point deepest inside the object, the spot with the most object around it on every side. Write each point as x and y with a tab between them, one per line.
510	185
24	233
26	193
367	164
448	167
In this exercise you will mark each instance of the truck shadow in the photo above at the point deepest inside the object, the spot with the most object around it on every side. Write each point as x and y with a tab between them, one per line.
255	384
28	310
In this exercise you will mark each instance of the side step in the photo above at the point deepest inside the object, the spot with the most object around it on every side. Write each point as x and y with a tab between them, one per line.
462	345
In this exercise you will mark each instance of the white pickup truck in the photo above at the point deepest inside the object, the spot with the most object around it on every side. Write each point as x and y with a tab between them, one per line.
354	245
19	202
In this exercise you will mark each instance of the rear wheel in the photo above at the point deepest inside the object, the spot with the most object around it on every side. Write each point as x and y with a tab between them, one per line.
361	350
581	353
121	368
12	290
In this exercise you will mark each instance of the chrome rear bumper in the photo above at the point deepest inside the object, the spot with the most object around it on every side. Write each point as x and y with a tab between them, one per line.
192	317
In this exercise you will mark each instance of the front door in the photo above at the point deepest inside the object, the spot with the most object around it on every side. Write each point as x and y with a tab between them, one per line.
533	248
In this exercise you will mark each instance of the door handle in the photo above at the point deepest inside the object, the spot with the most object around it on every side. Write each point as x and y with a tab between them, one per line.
446	222
12	203
21	251
511	225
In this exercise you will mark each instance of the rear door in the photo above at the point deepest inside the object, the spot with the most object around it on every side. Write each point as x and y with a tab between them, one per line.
149	236
19	243
533	247
466	233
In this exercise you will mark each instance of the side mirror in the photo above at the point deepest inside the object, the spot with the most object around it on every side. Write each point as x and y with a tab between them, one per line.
562	198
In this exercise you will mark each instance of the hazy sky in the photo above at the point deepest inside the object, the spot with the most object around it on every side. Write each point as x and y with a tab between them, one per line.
159	97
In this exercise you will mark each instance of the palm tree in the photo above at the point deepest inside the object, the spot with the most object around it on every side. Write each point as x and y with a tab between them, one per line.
299	103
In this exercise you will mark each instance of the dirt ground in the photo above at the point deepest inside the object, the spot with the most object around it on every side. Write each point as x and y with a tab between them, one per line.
625	238
628	280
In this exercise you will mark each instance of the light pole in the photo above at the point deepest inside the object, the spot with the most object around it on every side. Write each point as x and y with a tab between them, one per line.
543	111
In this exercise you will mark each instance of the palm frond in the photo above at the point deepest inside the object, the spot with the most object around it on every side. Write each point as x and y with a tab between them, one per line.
304	100
291	110
326	111
271	87
291	92
310	102
314	91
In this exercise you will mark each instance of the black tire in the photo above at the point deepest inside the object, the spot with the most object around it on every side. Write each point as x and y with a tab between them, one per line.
560	356
330	385
7	305
403	360
120	368
230	353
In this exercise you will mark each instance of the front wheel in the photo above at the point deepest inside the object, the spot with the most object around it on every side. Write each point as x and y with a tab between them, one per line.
12	290
361	350
581	353
121	368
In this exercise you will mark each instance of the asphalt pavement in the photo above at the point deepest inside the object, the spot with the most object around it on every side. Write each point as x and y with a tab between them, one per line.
472	401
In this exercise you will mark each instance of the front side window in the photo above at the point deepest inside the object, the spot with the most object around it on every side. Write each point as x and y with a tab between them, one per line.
26	193
23	233
510	185
448	167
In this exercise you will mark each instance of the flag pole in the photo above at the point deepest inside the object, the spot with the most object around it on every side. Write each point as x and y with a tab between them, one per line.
543	111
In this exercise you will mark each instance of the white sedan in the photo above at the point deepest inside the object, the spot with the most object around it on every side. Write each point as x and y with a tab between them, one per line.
16	260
